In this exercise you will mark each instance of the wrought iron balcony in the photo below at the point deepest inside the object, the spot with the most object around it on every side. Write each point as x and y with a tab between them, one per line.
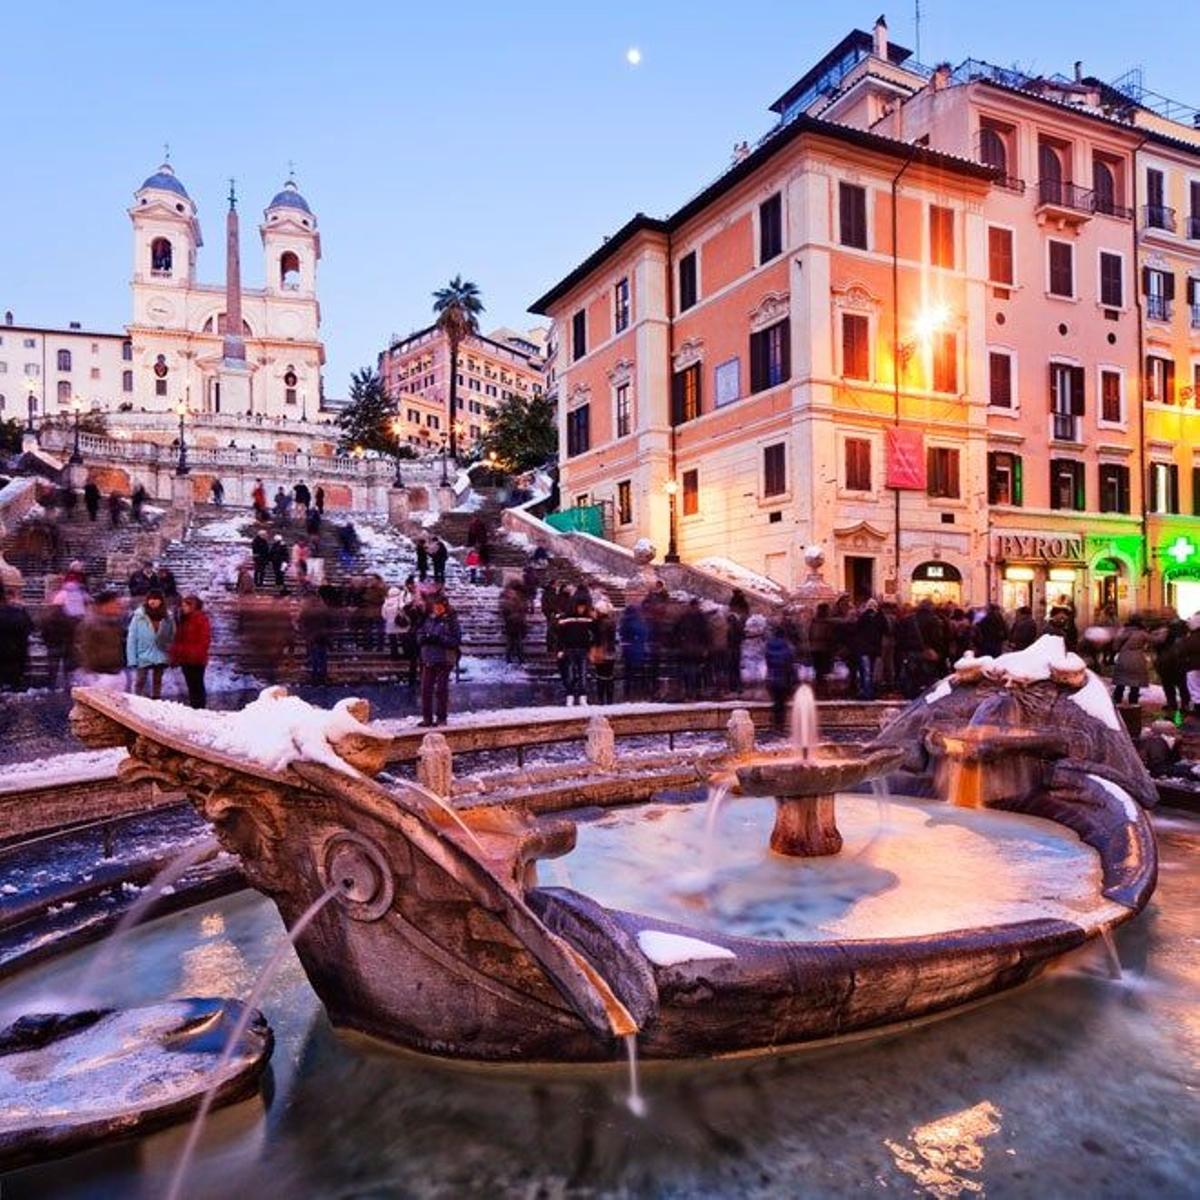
1110	208
1158	308
1066	199
1158	216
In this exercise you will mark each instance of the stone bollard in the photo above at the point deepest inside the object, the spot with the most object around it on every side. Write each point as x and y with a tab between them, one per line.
601	744
435	765
739	732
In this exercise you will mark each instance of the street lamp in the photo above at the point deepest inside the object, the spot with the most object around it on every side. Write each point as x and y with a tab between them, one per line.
76	408
672	555
32	387
182	467
397	429
445	477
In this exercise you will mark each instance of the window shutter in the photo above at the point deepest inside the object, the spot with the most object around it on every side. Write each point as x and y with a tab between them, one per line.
677	398
1196	491
1053	380
1077	385
1054	484
1192	290
1169	381
1173	488
757	356
1123	480
1168	285
1018	481
1145	281
785	348
1080	487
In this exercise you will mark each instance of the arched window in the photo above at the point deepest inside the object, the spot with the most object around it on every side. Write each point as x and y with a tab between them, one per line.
160	256
64	391
64	360
1050	175
127	381
289	271
1104	185
127	351
289	385
160	375
992	149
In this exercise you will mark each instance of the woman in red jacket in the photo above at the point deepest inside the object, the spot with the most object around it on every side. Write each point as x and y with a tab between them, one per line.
189	650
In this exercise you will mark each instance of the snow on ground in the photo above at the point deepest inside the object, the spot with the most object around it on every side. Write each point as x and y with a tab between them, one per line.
471	502
239	527
61	770
491	670
273	731
542	713
373	538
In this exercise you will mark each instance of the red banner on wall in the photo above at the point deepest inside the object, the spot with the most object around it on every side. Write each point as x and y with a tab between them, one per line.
905	459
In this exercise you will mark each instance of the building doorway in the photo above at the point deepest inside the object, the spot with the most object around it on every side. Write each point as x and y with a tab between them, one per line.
859	577
937	581
1016	589
1184	596
1106	587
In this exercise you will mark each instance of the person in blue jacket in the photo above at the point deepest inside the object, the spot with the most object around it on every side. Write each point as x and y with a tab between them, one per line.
148	643
440	638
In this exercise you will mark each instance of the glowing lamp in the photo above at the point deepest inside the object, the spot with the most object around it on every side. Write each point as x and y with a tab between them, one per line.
671	487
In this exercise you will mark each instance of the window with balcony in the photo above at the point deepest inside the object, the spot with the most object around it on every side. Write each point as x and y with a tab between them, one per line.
1066	401
1112	399
1156	214
1068	487
1112	280
1050	174
579	430
945	361
691	492
64	360
1004	478
621	306
941	236
685	395
858	464
856	346
993	148
1107	186
1000	379
1162	488
1114	488
770	228
1000	256
625	502
1061	269
578	336
941	473
622	407
688	290
1160	379
770	356
774	470
852	215
1193	302
1158	288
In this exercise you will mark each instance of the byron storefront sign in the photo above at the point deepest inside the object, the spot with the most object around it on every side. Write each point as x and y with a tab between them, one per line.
1038	547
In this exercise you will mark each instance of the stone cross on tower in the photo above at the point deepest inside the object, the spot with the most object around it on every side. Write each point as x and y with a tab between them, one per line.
235	346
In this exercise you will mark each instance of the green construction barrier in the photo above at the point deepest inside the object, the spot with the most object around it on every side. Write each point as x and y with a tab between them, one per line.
588	519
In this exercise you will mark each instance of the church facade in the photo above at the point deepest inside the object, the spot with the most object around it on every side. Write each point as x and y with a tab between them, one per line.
185	347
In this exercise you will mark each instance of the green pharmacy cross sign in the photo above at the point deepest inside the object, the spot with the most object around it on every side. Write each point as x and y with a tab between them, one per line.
1181	550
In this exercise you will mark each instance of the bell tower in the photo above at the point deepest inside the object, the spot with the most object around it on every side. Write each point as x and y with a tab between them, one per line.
291	245
166	233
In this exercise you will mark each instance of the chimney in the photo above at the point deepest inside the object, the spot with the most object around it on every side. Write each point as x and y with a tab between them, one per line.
880	48
1195	125
74	325
941	76
8	317
1078	70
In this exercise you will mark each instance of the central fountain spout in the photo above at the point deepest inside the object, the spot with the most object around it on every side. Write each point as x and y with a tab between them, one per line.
805	781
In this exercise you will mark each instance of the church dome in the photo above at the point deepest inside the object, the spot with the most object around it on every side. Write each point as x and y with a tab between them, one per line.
290	198
164	179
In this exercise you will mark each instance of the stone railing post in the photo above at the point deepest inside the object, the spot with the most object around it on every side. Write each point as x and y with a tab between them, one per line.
739	732
601	747
435	765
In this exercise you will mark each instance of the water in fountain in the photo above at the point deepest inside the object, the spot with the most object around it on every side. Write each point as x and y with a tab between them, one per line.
635	1101
804	720
1110	949
235	1036
176	869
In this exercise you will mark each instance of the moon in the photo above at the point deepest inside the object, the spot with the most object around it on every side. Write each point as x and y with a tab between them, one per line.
633	56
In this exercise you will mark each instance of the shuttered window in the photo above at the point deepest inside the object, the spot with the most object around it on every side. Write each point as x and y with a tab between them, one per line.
774	469
1000	256
770	356
856	349
685	395
1114	488
770	228
858	464
852	215
941	473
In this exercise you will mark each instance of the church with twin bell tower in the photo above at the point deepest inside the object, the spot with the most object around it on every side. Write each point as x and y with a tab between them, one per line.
225	348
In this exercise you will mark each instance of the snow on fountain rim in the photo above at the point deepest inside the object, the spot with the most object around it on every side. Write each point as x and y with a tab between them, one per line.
272	731
1132	811
1034	664
665	949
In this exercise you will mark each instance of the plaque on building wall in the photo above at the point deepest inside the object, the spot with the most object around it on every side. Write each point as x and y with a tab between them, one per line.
728	381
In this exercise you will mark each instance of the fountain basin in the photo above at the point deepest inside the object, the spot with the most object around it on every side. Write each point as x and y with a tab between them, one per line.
68	1081
804	788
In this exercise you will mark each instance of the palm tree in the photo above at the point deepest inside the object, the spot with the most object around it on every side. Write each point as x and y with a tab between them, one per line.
457	306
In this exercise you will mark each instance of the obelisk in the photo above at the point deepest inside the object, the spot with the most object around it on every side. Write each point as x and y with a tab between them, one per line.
234	373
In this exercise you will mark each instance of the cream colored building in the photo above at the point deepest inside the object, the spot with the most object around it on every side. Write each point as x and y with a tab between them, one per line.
179	324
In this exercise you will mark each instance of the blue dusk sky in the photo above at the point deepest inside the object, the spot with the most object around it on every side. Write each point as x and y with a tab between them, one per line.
502	141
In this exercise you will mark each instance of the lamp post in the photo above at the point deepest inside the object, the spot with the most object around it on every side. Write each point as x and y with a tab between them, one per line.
182	466
397	428
445	477
76	408
672	555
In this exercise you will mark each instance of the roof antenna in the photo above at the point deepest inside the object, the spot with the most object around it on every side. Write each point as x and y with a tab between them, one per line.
166	152
917	7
